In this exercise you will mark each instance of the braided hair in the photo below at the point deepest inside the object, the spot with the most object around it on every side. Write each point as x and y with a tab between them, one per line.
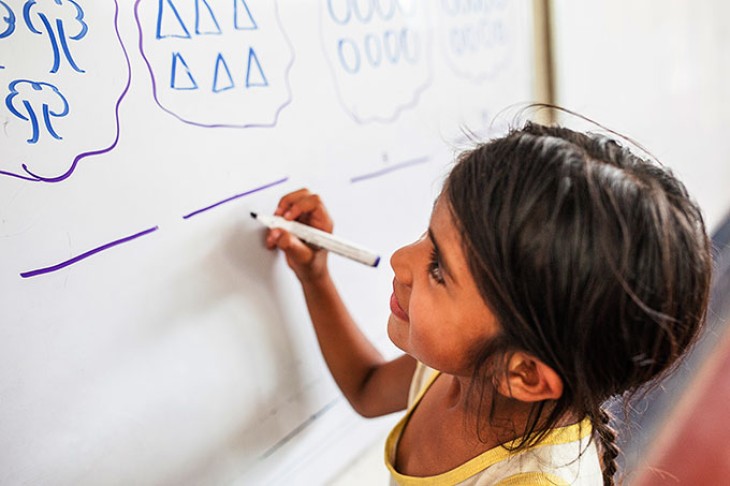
593	259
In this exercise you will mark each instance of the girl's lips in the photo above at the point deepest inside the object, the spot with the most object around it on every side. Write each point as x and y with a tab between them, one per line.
396	309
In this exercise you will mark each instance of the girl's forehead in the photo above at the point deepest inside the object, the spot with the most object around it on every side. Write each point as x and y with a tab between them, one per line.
442	216
445	230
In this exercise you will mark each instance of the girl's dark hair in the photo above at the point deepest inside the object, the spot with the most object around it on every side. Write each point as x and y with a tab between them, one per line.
594	260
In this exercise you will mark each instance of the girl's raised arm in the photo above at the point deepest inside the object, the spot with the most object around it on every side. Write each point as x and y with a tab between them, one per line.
372	385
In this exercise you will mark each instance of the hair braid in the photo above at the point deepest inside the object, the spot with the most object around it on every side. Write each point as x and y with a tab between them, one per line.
607	436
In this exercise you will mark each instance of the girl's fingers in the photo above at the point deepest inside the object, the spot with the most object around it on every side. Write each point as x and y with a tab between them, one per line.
307	207
295	250
286	201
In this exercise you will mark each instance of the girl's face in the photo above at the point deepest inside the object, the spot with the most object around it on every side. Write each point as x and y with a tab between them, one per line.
437	314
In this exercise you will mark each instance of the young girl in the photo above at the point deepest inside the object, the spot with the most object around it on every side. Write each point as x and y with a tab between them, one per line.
558	270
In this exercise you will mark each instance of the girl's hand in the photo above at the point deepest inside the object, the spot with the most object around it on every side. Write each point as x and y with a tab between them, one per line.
308	263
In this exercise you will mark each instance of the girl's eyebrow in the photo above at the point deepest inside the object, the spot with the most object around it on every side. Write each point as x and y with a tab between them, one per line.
440	255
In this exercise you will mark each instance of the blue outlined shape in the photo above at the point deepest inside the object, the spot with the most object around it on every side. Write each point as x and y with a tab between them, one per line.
183	34
477	76
404	45
369	39
8	19
277	113
355	68
58	37
337	20
31	176
221	66
178	64
242	18
32	116
258	73
386	14
364	18
214	27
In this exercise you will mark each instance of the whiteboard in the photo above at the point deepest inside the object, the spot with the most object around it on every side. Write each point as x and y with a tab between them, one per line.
147	336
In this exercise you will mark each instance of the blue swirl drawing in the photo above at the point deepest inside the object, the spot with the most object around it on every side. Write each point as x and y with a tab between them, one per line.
56	27
8	19
33	101
50	122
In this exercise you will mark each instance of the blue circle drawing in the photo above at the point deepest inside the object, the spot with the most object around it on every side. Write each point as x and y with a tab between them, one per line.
340	20
372	42
368	15
353	67
386	14
410	55
392	46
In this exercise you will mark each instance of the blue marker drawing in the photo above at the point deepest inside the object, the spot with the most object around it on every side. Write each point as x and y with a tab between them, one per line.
178	65
205	21
169	23
476	39
350	63
254	67
389	13
221	67
222	63
242	18
392	46
337	17
378	55
41	110
367	15
23	100
8	19
34	14
373	50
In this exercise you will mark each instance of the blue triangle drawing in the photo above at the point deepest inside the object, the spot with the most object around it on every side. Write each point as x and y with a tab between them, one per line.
254	74
167	26
205	21
222	79
181	77
242	18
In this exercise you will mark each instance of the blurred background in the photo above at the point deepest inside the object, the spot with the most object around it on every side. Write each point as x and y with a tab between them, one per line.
659	72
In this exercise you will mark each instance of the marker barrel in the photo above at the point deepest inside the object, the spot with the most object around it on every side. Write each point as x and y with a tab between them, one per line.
321	239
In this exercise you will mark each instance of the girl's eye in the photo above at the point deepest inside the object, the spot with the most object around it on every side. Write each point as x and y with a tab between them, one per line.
434	267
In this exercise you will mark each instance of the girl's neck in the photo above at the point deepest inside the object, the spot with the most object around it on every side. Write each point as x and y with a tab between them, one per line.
507	422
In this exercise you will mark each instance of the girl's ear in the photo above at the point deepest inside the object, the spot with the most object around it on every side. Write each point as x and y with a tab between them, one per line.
528	379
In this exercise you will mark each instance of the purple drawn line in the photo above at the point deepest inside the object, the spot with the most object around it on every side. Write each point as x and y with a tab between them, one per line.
273	123
37	178
76	259
392	168
237	196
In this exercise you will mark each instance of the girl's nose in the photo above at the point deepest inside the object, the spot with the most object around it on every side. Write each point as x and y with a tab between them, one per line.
402	263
